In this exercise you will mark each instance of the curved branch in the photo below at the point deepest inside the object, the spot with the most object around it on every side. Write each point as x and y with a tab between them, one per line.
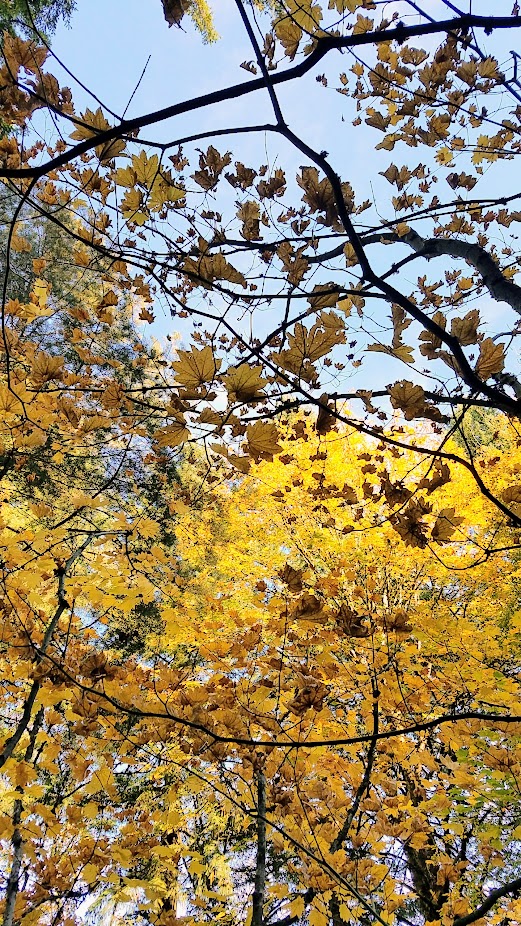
323	46
499	287
513	887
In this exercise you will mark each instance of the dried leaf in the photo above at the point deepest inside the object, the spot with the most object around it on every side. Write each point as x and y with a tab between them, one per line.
196	367
445	525
262	440
491	358
466	329
245	383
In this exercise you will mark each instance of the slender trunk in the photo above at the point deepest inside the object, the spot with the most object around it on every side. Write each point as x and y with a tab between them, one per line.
14	874
260	868
13	880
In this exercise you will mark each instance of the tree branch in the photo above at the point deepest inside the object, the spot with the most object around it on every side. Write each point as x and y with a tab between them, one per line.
260	867
502	289
323	46
513	887
364	784
17	840
12	742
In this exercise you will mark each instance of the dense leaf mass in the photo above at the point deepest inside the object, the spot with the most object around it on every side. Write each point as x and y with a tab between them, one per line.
259	581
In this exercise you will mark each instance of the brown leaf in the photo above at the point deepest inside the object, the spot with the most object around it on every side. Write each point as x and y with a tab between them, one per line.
174	11
275	186
249	215
431	343
409	397
262	440
243	177
211	165
245	382
466	329
491	358
292	577
445	525
325	420
512	495
196	367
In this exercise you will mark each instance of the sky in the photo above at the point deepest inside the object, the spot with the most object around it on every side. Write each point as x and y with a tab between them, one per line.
111	41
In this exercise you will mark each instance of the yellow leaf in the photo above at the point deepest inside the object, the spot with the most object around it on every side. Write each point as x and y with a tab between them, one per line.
131	207
92	124
317	918
162	192
362	24
289	35
9	402
125	176
46	368
145	168
148	528
89	873
90	810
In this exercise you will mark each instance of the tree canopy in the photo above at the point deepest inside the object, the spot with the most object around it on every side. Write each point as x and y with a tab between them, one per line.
260	578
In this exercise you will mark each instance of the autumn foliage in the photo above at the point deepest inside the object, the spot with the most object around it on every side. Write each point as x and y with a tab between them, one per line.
260	610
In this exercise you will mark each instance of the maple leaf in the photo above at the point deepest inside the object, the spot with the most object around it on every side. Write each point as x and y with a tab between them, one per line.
174	10
362	24
131	207
196	367
245	383
325	296
408	397
410	523
211	165
289	35
403	352
320	197
400	323
292	578
249	215
209	268
163	192
125	176
145	168
92	123
512	495
19	242
9	401
491	358
173	434
275	186
445	525
243	177
262	440
466	329
316	342
46	368
112	395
